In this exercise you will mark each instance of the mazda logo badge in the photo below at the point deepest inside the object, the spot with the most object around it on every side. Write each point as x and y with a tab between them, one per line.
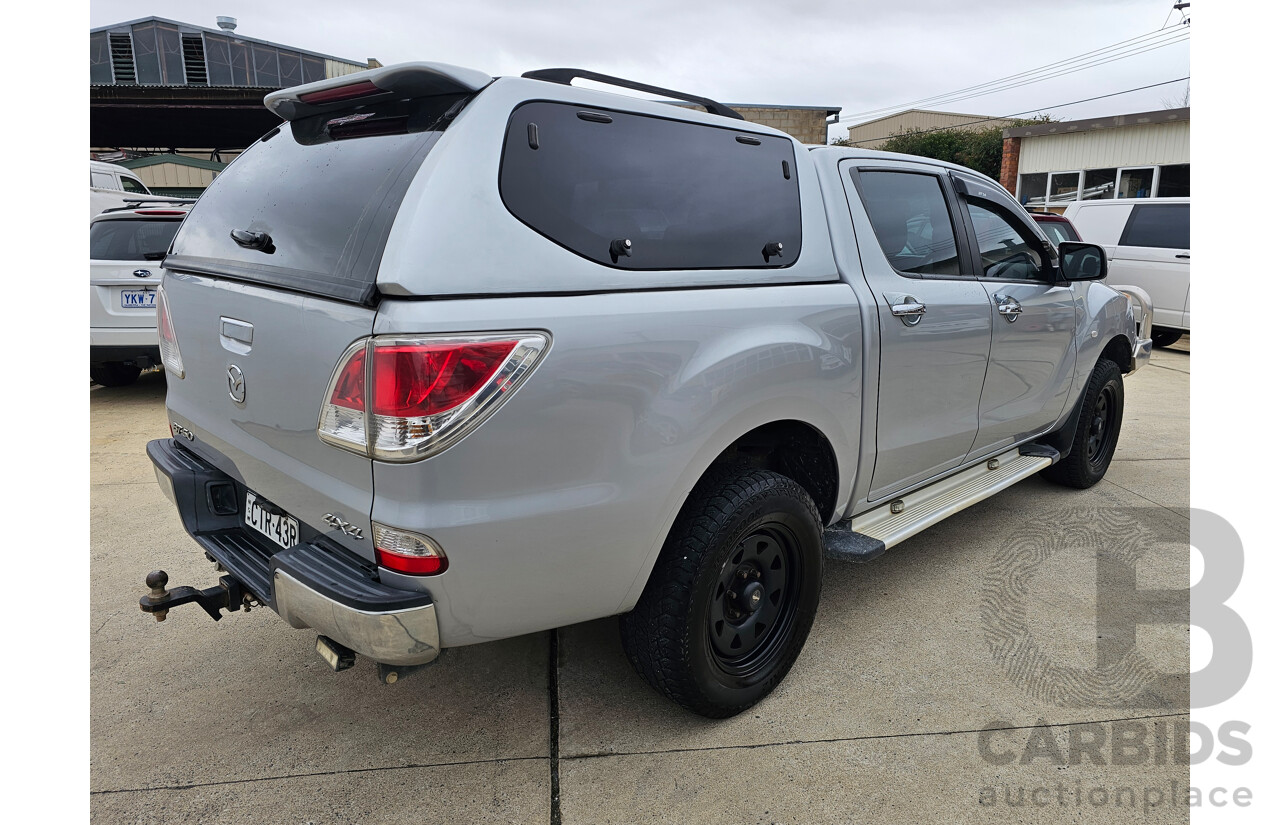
235	384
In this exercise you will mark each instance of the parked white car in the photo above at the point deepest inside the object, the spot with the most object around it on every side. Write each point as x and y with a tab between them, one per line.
112	186
126	247
1148	244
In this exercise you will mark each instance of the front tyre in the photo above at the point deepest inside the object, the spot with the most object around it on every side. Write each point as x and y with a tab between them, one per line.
1097	431
733	594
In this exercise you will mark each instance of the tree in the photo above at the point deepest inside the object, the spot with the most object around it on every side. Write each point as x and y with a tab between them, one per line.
979	149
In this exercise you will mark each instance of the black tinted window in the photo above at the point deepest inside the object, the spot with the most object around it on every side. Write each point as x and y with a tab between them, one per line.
324	190
1167	226
912	222
686	196
130	240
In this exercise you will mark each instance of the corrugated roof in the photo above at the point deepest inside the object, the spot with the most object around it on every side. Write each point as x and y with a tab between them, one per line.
236	35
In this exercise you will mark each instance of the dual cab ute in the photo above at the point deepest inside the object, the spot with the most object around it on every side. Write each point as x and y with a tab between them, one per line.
454	358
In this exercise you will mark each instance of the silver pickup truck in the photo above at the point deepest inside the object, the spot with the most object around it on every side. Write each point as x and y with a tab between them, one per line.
454	358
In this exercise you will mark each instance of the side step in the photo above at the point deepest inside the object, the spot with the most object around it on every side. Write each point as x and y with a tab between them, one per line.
869	534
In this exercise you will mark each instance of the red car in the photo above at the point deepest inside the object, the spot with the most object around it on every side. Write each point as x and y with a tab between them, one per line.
1058	228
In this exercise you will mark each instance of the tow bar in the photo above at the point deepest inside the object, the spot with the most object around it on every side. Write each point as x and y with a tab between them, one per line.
226	594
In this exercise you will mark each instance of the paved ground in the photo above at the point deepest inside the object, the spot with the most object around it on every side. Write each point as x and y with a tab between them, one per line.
986	620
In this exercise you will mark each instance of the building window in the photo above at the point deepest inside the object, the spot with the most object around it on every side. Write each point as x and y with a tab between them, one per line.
1099	184
1064	187
1175	181
99	58
1136	183
1031	189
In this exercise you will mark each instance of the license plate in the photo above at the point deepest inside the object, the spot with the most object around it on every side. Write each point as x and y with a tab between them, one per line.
280	527
138	299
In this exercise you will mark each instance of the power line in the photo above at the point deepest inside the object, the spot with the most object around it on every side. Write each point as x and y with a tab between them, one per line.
1031	81
1095	54
1116	51
1029	111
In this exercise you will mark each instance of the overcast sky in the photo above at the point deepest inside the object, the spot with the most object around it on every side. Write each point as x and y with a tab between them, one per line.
860	56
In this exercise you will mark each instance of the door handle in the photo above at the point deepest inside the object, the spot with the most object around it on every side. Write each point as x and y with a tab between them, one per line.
1008	307
1186	255
907	308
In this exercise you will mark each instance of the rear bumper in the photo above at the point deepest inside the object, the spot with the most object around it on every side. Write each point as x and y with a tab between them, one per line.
135	337
315	583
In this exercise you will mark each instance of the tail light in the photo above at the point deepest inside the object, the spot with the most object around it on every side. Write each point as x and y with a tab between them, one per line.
407	552
170	356
400	398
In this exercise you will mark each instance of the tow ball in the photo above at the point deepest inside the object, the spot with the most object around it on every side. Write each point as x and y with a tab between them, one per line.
226	594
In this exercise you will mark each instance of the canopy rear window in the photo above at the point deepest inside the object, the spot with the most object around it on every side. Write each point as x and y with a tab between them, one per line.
318	195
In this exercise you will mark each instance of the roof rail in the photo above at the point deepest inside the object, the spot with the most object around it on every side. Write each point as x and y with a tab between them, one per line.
567	76
142	203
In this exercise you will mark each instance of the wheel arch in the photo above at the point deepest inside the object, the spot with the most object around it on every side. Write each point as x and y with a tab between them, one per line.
823	464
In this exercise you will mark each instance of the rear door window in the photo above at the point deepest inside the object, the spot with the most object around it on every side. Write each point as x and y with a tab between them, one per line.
912	222
686	196
125	239
1164	226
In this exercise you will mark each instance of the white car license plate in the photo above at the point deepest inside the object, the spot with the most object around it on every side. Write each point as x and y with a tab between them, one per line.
281	528
138	299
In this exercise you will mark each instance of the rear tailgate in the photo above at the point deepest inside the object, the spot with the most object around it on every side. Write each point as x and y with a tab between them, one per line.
268	440
122	294
271	278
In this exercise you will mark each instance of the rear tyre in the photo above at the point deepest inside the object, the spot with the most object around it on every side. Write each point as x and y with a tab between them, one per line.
115	374
1165	337
1097	431
732	596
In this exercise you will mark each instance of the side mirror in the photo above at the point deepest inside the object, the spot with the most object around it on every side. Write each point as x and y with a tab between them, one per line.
1082	261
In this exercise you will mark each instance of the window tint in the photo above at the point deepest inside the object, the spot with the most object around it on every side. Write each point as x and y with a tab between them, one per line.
1175	181
131	240
1167	226
912	223
1006	253
131	185
686	196
326	203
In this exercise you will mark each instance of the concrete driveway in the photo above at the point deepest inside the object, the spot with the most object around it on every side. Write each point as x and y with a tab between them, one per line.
963	677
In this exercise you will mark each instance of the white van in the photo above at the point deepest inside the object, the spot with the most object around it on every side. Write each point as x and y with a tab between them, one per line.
1148	244
111	186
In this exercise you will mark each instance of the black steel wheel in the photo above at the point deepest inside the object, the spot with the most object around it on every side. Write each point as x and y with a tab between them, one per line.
1097	430
732	597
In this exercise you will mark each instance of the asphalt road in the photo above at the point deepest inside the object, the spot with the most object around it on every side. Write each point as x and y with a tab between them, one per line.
989	620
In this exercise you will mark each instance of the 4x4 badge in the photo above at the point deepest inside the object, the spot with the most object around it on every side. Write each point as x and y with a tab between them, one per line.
339	523
235	384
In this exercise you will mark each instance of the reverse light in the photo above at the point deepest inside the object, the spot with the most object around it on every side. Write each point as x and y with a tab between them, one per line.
402	398
406	552
170	355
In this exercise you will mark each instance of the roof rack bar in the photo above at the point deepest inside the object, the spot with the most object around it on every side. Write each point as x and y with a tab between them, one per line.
567	76
130	205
